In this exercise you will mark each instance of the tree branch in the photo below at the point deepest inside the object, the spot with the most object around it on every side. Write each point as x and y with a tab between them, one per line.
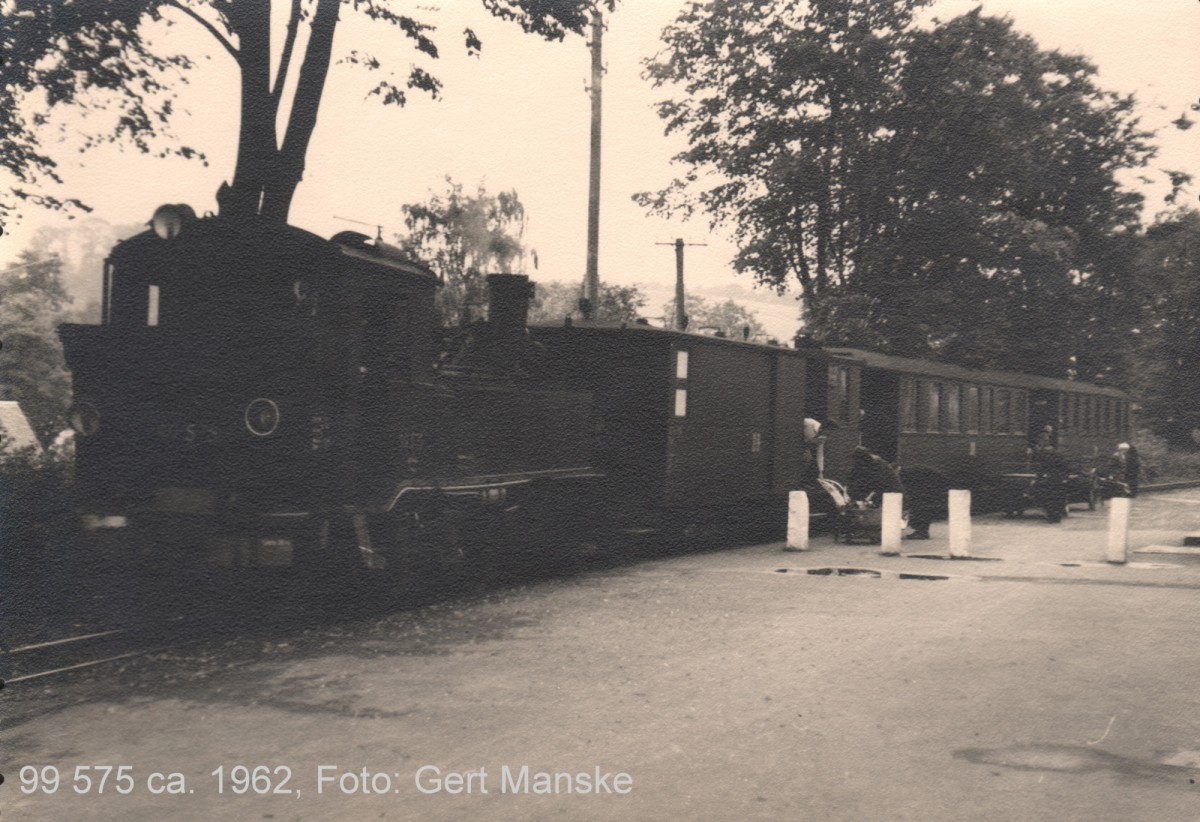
211	28
288	45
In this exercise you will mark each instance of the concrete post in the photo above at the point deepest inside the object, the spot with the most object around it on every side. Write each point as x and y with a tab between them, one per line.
797	527
960	524
1118	530
892	527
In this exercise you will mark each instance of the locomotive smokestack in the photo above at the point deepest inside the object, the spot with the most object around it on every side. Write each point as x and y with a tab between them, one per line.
508	312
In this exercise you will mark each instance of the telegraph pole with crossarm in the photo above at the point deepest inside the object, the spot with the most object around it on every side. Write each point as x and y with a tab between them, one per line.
681	318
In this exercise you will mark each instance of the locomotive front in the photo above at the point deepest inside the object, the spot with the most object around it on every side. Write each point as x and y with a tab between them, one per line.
221	371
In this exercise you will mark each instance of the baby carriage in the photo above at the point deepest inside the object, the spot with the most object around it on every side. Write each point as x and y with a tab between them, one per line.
1109	487
855	521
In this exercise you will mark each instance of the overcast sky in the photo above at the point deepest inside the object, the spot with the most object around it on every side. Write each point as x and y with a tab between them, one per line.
518	118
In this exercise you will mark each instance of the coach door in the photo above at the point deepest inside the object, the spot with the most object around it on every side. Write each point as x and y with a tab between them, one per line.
879	397
1043	411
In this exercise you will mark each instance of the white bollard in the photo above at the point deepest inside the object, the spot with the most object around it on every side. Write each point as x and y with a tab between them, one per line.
797	527
892	525
960	524
1118	529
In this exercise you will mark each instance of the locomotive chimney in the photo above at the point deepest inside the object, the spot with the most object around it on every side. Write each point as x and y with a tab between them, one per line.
508	312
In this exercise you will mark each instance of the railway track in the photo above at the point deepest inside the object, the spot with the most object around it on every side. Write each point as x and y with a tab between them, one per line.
37	660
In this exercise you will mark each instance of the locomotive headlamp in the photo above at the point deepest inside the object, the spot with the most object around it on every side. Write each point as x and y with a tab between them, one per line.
85	419
169	220
262	417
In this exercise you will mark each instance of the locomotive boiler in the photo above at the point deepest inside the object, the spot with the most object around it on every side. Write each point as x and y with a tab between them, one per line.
257	395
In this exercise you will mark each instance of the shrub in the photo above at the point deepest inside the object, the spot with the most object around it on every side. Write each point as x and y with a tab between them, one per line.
1162	463
35	503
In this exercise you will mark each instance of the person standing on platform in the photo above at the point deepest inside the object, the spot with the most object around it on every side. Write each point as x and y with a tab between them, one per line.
814	449
1127	466
924	499
1050	483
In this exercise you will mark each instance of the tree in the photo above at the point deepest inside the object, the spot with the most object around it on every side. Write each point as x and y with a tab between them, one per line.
464	237
1168	359
32	369
98	55
727	319
945	192
554	301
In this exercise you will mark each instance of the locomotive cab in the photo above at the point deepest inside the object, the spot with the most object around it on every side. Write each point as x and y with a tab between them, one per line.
229	357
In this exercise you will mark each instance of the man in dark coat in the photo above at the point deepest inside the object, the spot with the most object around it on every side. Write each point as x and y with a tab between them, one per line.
1050	483
871	477
924	499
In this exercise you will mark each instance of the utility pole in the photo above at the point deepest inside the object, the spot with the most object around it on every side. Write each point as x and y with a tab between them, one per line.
591	280
681	318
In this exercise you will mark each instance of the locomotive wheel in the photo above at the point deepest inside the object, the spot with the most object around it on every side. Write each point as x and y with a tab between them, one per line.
325	545
423	549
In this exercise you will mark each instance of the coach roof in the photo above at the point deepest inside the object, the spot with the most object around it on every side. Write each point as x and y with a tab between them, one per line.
925	368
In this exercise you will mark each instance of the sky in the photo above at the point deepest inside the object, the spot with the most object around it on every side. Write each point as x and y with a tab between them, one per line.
518	118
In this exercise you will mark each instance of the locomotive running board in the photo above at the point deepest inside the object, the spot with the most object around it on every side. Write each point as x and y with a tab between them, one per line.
487	482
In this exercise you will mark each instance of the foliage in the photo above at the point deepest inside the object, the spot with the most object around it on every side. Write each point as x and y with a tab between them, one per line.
727	319
554	301
35	504
32	370
1168	357
1163	462
98	56
464	237
945	192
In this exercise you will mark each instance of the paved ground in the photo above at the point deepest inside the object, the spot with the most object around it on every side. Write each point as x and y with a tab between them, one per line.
1044	685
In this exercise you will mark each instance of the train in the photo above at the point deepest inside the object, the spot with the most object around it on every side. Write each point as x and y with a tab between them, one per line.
256	395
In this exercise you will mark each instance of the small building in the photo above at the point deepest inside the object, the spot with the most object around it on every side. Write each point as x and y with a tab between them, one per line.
15	430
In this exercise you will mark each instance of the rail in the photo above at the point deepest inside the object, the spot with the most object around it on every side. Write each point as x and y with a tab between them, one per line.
1170	486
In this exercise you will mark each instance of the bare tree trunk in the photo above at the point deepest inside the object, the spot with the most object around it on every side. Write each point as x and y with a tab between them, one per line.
251	22
289	171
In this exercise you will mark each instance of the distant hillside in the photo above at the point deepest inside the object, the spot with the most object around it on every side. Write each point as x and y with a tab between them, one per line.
780	315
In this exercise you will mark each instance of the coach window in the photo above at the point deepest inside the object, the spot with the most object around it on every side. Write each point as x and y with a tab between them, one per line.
1000	412
985	410
681	402
681	365
933	407
971	409
1020	413
908	404
839	393
952	405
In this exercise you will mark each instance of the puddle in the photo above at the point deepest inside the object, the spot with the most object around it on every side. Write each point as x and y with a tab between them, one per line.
955	559
930	577
1181	767
845	572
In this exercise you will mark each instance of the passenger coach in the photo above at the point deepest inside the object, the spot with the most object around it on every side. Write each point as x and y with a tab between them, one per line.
973	426
707	427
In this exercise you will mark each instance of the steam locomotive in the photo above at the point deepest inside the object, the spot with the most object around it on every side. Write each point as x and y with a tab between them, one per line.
257	395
